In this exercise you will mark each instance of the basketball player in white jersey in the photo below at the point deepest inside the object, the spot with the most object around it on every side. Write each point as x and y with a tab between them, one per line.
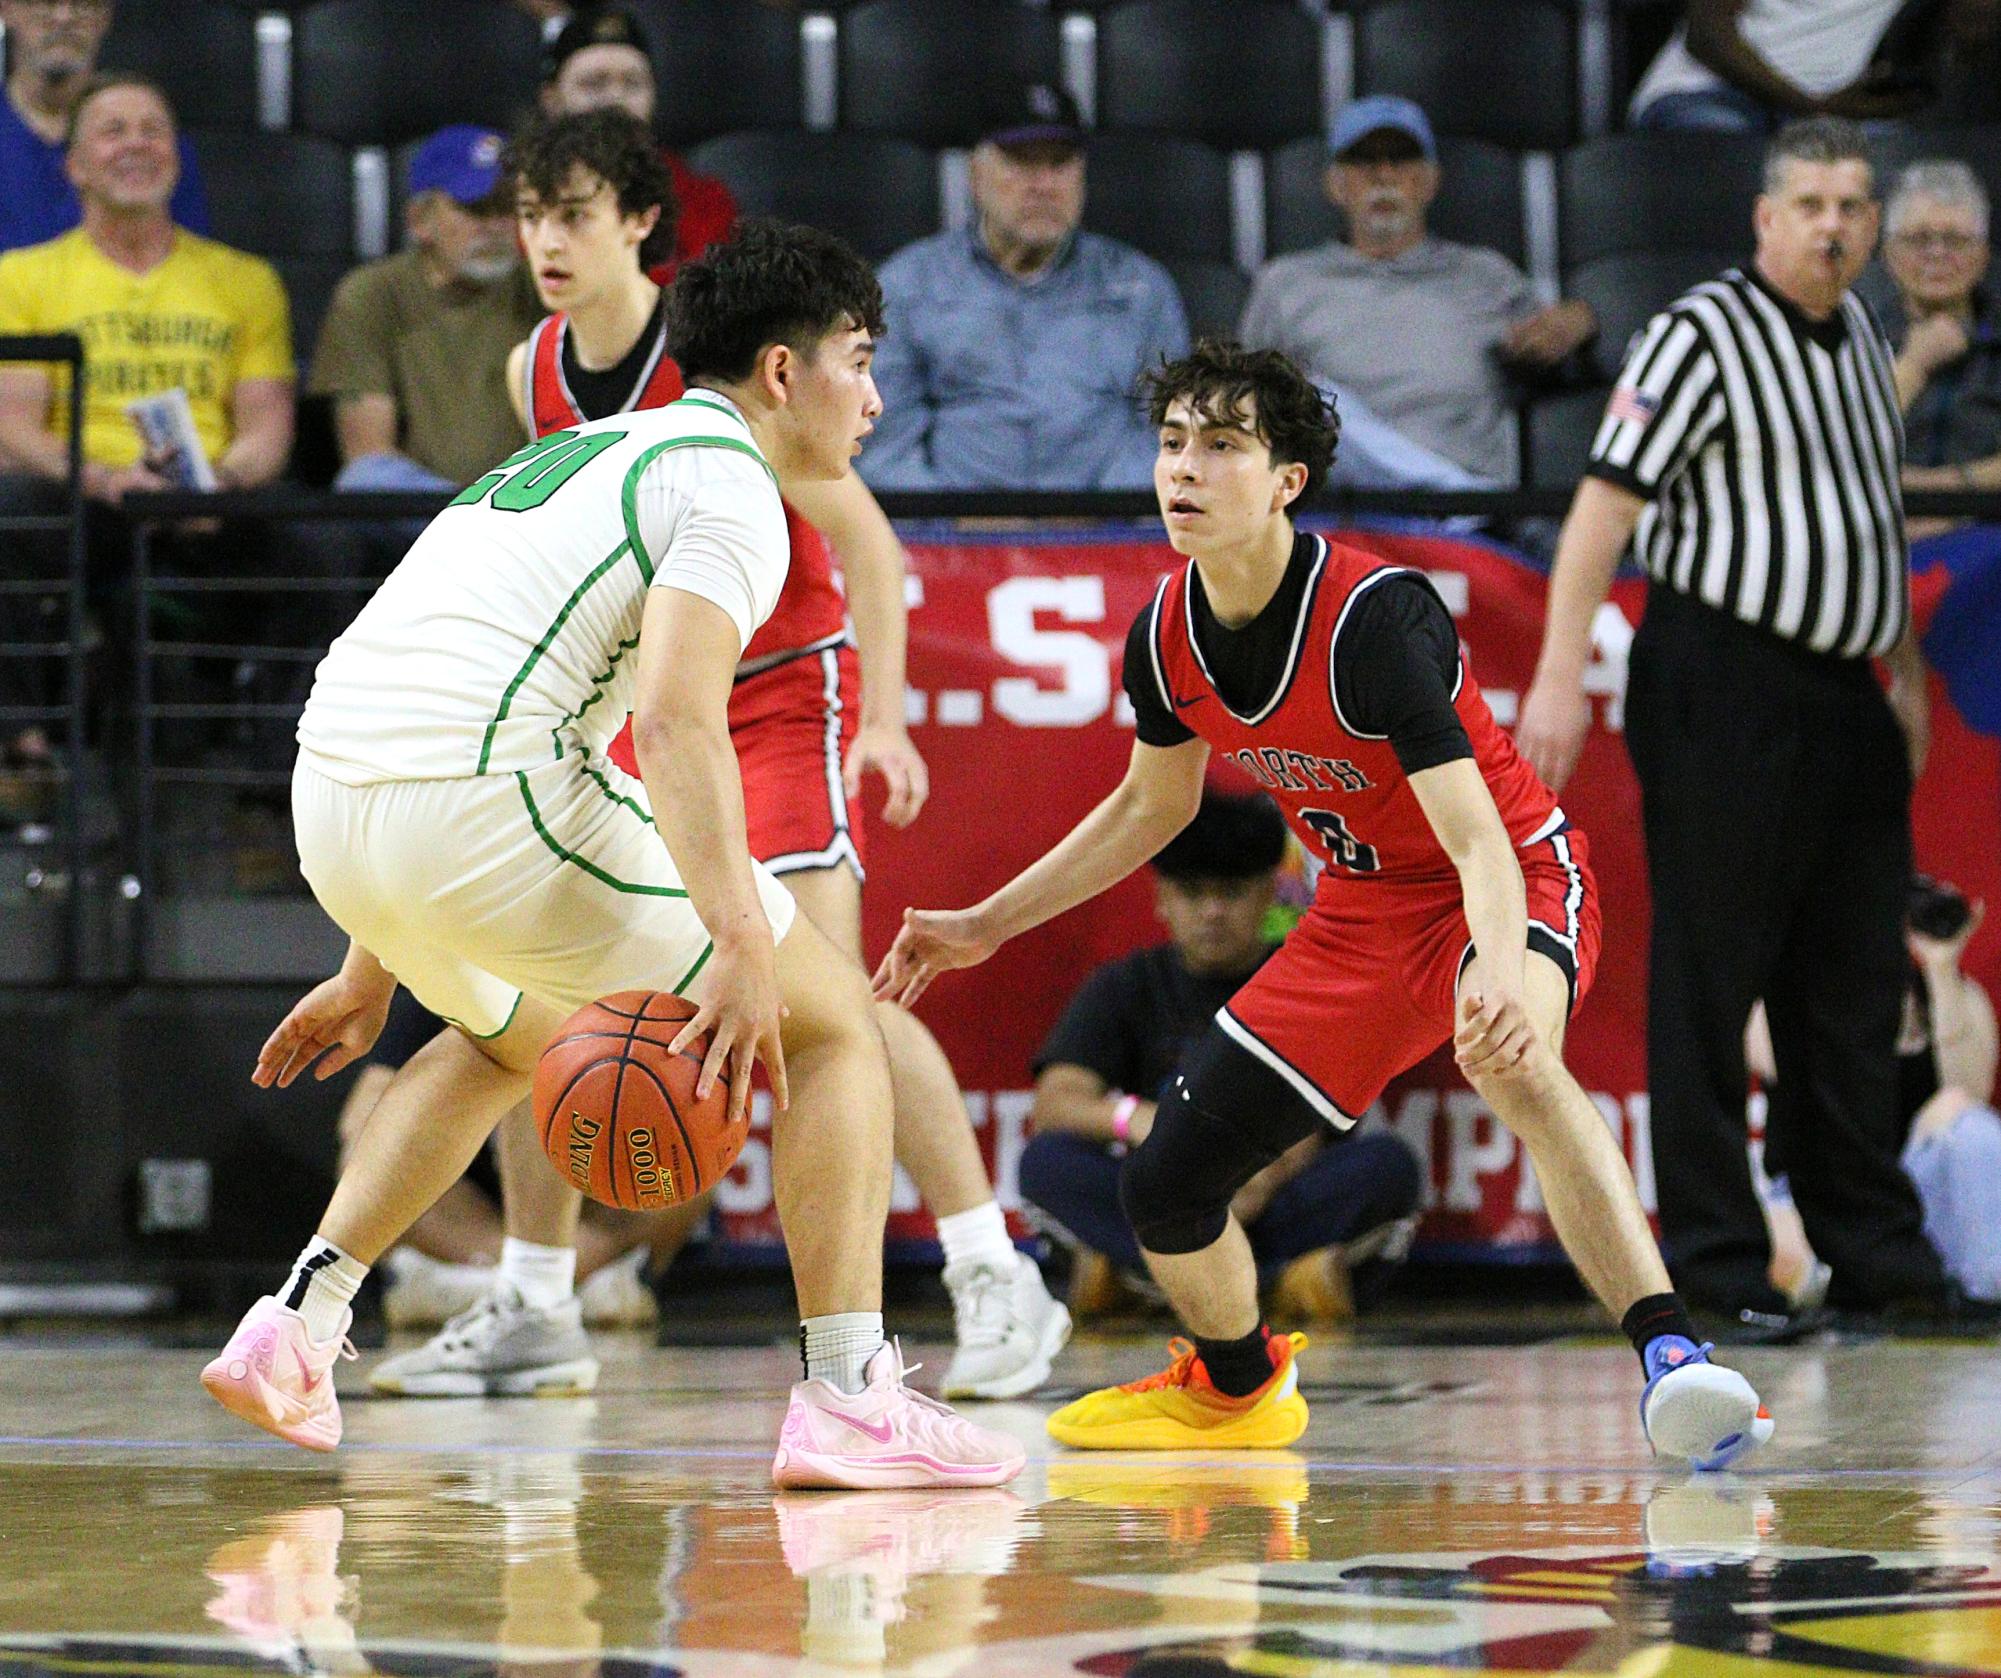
592	193
454	816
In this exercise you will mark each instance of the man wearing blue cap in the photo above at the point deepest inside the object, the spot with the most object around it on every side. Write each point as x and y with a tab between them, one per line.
414	349
1425	334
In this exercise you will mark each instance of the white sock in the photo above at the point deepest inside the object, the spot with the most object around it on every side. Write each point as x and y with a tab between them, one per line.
323	1282
977	1235
836	1348
543	1276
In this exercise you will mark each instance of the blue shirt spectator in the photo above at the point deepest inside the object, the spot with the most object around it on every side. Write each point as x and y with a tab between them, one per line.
51	54
1014	347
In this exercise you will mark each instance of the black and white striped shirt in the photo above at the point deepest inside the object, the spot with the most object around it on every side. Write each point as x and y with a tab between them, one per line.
1769	448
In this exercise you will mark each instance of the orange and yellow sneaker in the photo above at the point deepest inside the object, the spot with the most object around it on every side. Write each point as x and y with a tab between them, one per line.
1178	1409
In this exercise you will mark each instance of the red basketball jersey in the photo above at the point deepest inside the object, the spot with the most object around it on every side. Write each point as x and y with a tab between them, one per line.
810	613
1344	793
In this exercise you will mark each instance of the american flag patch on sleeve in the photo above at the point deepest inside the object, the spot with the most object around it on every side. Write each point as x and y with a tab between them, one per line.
1631	406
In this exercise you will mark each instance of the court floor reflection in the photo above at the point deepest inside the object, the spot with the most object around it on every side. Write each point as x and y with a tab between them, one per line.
1448	1511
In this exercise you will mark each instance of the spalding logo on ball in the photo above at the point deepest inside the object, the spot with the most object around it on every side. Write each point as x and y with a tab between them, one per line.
616	1109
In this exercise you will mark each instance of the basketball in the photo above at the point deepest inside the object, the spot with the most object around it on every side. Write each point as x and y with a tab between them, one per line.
617	1111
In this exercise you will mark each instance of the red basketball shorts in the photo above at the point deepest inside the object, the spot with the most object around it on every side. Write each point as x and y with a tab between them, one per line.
791	726
1364	987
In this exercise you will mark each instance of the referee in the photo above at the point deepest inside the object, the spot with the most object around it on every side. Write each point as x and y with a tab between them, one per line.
1751	451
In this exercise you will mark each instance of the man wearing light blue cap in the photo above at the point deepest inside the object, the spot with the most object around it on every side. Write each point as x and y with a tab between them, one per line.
1421	337
414	349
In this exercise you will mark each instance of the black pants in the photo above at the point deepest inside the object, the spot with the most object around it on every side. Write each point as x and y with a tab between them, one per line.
1777	806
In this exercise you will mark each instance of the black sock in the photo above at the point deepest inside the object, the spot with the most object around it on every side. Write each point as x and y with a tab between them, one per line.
1657	1314
1237	1368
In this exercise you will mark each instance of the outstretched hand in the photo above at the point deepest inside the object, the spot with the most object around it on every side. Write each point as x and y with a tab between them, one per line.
931	941
332	1026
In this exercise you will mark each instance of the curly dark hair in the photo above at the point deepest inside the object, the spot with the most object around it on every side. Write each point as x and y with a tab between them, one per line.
1295	419
614	146
769	283
1233	837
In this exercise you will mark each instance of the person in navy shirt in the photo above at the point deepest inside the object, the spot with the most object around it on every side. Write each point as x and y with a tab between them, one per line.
52	48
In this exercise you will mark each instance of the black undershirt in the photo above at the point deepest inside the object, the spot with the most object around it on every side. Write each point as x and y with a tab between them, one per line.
1395	668
600	395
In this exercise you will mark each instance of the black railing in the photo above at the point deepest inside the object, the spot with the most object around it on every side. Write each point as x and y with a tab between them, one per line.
58	596
166	582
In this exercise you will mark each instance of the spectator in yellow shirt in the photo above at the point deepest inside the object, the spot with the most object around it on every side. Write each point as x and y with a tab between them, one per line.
156	307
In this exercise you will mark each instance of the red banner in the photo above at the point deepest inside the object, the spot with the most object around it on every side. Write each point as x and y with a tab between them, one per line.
1015	647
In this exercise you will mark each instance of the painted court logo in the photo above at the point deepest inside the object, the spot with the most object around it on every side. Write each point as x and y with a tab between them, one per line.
1570	1610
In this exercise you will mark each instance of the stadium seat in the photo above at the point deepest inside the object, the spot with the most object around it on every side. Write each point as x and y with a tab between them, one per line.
721	66
374	72
1629	288
1654	189
290	199
925	69
1558	436
1979	146
1235	73
1168	196
876	191
204	55
1479	198
1510	77
1212	293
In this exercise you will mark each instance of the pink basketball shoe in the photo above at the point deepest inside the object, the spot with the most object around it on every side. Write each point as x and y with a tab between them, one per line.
886	1435
275	1376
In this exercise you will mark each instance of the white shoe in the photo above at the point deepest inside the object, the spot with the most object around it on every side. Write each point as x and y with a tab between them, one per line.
502	1347
1009	1330
1703	1412
424	1292
616	1296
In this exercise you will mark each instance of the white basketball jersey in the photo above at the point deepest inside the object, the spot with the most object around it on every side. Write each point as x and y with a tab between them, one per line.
506	634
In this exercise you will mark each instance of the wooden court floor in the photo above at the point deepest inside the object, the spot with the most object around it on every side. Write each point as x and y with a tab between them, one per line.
1451	1511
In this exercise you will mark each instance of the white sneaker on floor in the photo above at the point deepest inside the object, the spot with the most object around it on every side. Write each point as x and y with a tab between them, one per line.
616	1295
502	1347
885	1436
424	1292
1009	1329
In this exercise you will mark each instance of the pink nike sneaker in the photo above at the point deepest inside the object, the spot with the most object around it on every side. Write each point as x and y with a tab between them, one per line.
275	1376
886	1435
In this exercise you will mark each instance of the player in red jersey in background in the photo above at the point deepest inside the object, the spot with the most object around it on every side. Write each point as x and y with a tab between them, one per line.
810	714
1455	902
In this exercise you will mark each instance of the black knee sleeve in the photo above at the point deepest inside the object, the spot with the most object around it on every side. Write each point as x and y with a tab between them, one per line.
1206	1144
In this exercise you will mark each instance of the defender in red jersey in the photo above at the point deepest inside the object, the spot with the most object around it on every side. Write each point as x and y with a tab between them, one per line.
592	200
1455	903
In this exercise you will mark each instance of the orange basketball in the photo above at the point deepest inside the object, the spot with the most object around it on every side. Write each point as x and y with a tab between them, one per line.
617	1112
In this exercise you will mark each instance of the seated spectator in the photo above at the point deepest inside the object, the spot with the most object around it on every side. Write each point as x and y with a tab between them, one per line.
159	309
1947	1056
602	56
1409	330
414	349
1749	66
1944	328
51	56
1332	1201
1014	345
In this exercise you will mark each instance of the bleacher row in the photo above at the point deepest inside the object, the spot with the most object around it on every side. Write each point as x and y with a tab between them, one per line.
1208	115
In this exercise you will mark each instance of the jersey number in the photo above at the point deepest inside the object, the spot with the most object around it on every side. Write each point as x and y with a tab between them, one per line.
1346	850
528	477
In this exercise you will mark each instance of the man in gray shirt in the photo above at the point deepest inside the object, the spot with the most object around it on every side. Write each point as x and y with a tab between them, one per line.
1421	332
1014	345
